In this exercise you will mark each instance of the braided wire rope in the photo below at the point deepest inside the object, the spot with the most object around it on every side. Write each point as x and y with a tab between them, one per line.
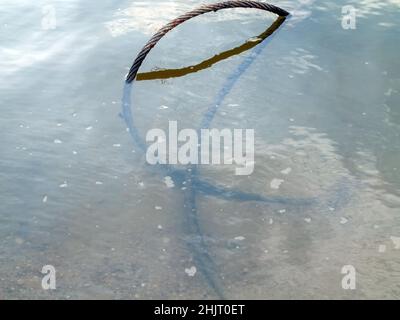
194	13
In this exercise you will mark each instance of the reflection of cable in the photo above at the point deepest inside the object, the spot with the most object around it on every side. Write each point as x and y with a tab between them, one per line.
175	73
199	11
193	184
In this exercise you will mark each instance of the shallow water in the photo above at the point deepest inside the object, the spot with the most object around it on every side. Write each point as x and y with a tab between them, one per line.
76	192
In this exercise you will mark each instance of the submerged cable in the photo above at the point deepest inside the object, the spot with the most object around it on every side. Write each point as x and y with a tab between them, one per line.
198	244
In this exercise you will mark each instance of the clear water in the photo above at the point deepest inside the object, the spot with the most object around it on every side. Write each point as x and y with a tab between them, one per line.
76	192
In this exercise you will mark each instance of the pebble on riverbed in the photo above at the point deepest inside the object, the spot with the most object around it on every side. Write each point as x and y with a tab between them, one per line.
169	182
191	271
276	183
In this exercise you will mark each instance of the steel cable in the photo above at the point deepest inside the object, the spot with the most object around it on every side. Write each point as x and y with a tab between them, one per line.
194	13
197	244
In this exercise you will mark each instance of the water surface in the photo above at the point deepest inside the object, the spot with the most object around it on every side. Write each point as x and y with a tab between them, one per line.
76	192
